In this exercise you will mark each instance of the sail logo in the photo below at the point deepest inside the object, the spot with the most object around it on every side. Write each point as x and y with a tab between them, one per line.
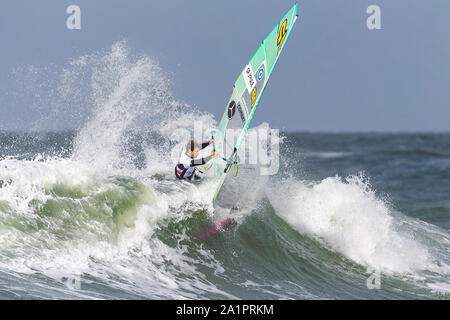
249	78
260	74
282	35
249	73
241	112
231	109
253	97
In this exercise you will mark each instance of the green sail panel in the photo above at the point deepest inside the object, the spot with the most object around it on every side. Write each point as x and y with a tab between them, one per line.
247	92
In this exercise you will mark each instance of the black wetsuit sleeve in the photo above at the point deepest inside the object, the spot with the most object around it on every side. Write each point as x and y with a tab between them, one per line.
199	162
205	144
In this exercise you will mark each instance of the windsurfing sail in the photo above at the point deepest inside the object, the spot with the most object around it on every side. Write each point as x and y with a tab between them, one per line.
244	101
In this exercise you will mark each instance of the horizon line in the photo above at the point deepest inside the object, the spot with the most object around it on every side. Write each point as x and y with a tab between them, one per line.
22	131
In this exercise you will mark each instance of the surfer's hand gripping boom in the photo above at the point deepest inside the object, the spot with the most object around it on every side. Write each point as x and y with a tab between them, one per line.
229	161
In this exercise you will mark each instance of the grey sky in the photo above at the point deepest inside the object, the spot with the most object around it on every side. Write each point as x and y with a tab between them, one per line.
334	74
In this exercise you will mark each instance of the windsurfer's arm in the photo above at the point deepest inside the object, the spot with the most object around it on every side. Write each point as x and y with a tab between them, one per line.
201	161
207	143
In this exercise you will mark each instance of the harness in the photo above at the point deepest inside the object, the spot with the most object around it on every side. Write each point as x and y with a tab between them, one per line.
183	169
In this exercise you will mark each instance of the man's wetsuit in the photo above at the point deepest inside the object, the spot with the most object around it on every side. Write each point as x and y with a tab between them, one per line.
185	169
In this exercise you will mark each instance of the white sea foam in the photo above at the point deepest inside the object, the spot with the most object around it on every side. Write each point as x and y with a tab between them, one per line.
327	155
348	217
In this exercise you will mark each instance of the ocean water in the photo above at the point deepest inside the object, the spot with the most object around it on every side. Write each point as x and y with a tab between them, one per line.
96	212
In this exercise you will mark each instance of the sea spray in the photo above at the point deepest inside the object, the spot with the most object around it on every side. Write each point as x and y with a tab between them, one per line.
89	213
